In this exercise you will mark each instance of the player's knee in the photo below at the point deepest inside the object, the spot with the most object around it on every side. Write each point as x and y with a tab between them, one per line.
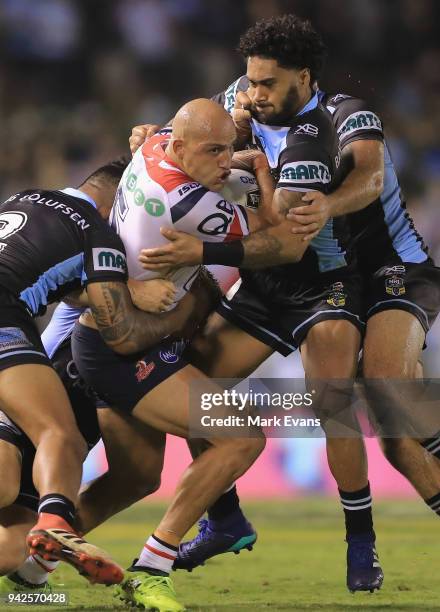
136	483
247	450
145	486
392	448
9	493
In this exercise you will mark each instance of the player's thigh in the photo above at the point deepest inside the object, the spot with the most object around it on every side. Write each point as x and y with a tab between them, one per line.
15	523
167	406
134	451
393	342
170	406
331	349
226	351
10	470
33	396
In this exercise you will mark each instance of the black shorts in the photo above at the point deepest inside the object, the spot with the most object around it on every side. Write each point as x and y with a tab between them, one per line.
9	432
83	402
282	320
20	341
412	287
122	381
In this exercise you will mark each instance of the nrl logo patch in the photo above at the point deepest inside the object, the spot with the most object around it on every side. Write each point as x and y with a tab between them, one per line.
395	286
336	296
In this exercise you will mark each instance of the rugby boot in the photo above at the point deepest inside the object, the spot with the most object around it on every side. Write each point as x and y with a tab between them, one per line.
13	583
141	589
58	541
363	568
209	543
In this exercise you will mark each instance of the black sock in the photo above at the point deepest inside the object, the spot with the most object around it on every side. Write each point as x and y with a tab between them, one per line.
434	503
432	445
226	504
54	503
357	510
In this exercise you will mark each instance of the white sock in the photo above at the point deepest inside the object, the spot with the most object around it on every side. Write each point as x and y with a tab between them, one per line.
158	555
36	570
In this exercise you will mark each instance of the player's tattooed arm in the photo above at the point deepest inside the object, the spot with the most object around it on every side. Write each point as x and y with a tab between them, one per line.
154	295
126	329
269	247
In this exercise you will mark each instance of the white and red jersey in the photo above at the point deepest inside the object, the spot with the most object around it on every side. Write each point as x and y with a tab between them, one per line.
155	193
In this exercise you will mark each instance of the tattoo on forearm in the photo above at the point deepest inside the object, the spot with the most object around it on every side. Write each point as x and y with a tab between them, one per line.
123	325
112	320
261	249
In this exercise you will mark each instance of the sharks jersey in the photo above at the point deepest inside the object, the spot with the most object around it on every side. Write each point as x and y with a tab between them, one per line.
304	155
53	242
154	192
386	222
383	231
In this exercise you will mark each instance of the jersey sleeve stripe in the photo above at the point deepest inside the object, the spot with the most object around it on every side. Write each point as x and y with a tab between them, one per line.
181	208
235	231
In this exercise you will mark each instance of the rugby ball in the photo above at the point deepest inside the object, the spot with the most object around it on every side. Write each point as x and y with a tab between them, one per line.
241	187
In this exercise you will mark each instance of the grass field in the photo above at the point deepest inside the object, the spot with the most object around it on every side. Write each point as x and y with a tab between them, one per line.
297	564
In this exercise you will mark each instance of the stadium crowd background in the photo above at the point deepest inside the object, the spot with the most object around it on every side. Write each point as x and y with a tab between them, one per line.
76	75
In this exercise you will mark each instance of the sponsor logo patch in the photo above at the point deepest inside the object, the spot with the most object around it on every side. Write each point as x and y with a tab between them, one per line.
169	356
253	200
395	286
154	207
340	97
144	370
362	120
230	95
109	259
305	172
13	338
308	129
336	296
131	182
395	270
11	222
138	197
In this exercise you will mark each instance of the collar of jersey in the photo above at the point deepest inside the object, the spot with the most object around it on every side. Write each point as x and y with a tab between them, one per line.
77	193
311	104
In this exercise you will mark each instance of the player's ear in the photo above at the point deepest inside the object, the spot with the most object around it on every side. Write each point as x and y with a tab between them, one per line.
178	147
304	76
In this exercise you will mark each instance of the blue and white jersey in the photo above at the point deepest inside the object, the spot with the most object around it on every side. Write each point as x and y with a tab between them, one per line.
383	232
54	242
304	156
60	327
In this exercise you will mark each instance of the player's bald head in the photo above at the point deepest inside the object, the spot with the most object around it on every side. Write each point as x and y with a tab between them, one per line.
202	119
202	142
